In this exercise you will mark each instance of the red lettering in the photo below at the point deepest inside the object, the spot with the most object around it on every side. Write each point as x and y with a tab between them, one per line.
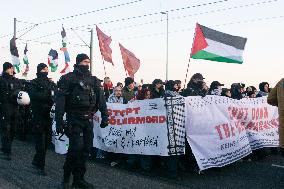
240	114
140	120
116	112
136	110
118	122
162	119
219	131
128	111
148	119
131	120
253	113
226	130
155	119
109	112
122	112
265	114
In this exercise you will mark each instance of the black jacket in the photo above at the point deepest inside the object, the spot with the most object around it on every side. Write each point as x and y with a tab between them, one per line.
194	89
157	94
9	89
79	94
40	91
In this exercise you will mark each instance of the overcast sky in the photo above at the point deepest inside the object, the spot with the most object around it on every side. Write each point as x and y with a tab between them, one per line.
261	21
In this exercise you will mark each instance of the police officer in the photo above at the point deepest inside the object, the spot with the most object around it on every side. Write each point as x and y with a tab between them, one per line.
79	95
9	89
41	91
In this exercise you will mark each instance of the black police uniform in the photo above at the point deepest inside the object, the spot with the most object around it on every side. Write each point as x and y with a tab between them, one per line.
41	92
79	95
9	89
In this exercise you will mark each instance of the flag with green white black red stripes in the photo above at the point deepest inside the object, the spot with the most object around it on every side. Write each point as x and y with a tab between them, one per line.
209	44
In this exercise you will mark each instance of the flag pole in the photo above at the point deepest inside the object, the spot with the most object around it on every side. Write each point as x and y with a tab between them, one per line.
104	66
186	73
91	50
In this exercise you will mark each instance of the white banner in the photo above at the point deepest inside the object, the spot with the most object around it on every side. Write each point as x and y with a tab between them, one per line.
222	130
139	127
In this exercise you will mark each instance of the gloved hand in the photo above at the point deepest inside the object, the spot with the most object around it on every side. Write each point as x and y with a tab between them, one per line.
104	124
60	127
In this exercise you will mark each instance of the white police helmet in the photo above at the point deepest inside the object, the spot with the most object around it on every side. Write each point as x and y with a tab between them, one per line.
23	98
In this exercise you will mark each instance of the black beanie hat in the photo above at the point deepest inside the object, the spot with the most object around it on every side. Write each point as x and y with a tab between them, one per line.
128	81
40	67
6	66
81	57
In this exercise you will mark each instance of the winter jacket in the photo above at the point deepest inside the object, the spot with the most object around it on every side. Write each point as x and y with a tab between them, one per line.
276	98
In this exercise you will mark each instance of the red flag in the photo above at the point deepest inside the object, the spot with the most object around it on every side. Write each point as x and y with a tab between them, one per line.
131	63
104	42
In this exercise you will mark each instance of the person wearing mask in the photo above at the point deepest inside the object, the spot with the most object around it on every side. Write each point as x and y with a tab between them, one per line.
237	91
215	88
41	91
128	92
157	88
9	89
80	96
196	86
276	98
263	89
226	92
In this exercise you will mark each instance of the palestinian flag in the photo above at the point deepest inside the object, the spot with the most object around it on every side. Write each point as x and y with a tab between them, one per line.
53	60
217	46
64	38
65	51
26	61
15	54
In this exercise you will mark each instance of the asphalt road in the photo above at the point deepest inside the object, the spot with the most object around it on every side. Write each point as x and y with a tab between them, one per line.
261	174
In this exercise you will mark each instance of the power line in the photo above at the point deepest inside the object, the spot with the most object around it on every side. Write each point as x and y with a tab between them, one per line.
184	30
135	17
84	13
153	14
69	17
201	13
7	35
27	31
216	25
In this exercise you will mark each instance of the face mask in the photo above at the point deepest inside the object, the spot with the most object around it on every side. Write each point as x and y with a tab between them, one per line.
199	83
83	68
42	74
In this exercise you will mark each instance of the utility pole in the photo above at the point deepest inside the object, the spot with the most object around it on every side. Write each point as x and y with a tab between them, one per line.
91	50
15	30
167	48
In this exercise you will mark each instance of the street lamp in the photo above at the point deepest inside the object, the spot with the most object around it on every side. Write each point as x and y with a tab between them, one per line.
167	48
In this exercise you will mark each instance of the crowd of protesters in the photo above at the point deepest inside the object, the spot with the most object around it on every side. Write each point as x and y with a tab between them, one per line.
130	90
159	89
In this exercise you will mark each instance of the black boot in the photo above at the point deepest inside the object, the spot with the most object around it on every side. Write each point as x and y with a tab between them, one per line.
65	185
42	172
82	184
66	180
